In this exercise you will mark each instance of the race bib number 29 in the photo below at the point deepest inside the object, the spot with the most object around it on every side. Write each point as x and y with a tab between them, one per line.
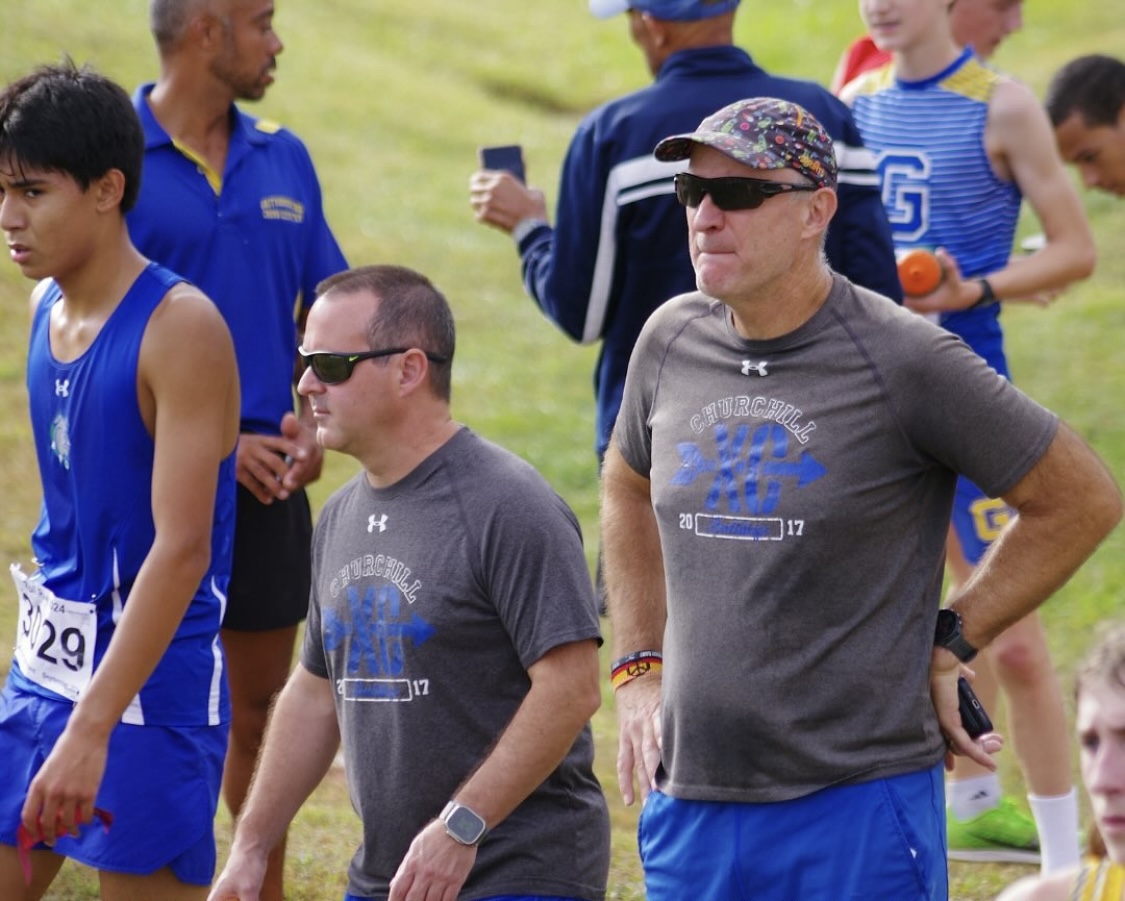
54	638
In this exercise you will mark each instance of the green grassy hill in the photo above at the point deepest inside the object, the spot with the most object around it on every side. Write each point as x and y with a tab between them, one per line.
393	100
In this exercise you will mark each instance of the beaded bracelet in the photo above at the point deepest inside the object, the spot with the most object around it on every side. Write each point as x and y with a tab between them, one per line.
634	665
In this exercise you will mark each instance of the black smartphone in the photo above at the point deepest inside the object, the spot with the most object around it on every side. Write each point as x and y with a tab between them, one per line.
973	715
506	157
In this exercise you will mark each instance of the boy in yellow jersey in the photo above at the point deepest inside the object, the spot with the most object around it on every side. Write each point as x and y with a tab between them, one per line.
1100	723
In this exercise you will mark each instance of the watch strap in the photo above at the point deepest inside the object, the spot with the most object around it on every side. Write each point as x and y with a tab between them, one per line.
987	294
948	635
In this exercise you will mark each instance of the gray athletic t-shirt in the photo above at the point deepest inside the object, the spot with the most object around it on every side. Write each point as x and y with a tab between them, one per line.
802	488
430	600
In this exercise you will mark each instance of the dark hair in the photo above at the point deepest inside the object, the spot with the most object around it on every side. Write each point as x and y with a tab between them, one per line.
1092	86
1104	664
411	312
60	118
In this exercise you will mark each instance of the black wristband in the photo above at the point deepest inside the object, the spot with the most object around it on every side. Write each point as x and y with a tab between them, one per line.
948	635
987	295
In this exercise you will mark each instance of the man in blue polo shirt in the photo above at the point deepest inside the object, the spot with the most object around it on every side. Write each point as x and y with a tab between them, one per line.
233	203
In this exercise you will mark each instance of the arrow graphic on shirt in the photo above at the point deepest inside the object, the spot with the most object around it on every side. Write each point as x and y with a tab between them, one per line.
807	469
379	638
748	468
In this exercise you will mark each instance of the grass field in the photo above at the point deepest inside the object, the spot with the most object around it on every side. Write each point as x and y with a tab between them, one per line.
393	99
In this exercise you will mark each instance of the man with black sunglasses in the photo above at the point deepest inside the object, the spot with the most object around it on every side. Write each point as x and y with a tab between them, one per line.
775	502
452	633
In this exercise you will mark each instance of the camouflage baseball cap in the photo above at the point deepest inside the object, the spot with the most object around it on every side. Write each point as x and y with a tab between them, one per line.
762	133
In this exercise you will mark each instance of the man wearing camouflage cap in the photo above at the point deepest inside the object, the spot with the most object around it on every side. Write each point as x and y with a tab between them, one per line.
775	503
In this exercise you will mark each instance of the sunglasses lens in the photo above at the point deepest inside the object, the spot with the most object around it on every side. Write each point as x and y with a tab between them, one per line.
689	191
726	193
330	368
737	195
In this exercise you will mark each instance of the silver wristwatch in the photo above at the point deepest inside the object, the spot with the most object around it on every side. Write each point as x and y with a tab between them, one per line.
463	824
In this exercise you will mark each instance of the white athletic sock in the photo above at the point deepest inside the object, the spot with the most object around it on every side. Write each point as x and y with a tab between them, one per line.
1057	821
968	798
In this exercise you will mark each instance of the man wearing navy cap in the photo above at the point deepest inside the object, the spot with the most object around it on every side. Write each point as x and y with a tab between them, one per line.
774	510
618	247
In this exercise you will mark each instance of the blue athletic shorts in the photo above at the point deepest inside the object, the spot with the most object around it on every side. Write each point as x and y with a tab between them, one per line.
161	785
349	897
879	839
978	519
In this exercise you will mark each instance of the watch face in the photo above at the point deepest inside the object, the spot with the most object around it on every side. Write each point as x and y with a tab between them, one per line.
947	626
464	825
947	634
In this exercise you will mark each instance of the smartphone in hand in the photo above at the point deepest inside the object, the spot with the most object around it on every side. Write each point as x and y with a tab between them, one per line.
508	157
973	715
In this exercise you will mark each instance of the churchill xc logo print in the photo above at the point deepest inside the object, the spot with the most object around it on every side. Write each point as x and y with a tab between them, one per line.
747	469
377	631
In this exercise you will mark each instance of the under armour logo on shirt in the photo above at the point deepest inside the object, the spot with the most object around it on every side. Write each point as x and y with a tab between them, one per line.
379	523
760	368
62	387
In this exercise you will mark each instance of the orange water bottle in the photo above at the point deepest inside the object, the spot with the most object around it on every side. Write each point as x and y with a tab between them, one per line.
919	271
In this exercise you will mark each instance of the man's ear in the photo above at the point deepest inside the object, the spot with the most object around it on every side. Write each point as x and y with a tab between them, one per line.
657	31
415	369
109	189
206	31
819	211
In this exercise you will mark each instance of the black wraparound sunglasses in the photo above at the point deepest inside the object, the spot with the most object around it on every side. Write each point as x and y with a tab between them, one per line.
333	368
732	192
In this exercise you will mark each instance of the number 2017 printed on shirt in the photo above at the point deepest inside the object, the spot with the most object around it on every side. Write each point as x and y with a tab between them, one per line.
793	527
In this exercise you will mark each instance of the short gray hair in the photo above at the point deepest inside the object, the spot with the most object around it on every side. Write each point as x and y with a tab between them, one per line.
169	19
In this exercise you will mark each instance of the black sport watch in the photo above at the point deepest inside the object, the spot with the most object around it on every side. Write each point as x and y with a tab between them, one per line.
948	635
464	826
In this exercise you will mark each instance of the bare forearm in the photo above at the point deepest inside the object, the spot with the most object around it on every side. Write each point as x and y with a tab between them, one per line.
1066	506
633	562
1027	565
564	695
156	604
1020	134
1054	267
